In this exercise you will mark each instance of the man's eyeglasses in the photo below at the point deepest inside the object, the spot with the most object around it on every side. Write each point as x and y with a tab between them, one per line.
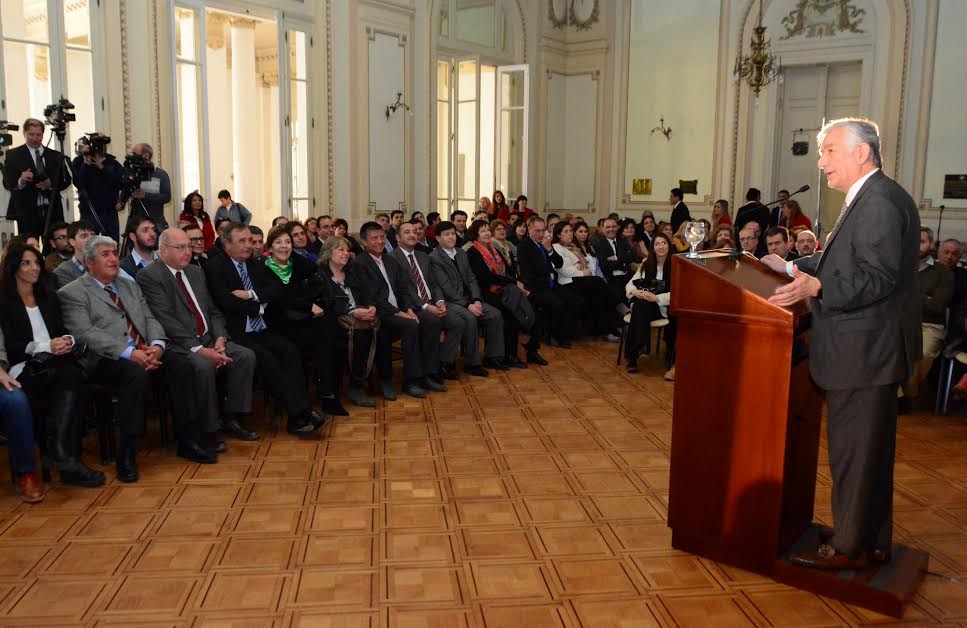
60	237
201	239
177	247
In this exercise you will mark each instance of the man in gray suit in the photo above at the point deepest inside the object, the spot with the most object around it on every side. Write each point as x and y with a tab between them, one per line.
865	304
425	290
177	293
78	233
451	268
125	343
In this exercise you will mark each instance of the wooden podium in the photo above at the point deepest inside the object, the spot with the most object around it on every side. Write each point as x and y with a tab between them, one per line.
745	434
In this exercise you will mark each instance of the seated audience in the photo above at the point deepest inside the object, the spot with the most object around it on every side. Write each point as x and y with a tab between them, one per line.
614	257
520	207
629	234
792	216
45	361
196	241
500	210
177	293
142	241
557	309
679	243
349	347
583	241
242	288
324	226
459	220
649	290
552	219
721	234
418	215
300	242
777	243
314	244
258	242
494	275
78	234
720	215
949	254
450	267
60	248
432	220
748	240
382	281
18	426
518	231
230	210
647	228
29	239
806	243
577	275
195	215
125	343
395	221
499	232
383	221
936	291
279	221
424	243
218	247
484	205
340	228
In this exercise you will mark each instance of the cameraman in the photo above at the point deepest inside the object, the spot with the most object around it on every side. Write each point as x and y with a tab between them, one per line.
156	193
98	178
29	173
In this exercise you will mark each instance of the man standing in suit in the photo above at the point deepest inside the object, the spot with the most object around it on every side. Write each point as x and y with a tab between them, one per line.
614	258
29	173
451	268
79	233
775	214
387	286
680	211
178	294
425	290
242	288
753	210
538	263
125	343
866	338
143	242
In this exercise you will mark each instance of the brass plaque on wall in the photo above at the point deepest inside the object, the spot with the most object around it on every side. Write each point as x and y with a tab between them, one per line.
641	187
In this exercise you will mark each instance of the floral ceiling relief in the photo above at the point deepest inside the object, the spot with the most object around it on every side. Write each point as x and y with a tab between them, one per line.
823	18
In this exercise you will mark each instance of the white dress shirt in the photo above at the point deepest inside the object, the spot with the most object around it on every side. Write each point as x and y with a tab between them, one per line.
614	249
382	269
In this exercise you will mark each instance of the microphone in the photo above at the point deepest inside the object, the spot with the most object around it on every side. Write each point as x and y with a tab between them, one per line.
804	188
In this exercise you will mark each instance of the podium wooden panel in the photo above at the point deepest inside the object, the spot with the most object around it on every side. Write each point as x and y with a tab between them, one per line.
746	425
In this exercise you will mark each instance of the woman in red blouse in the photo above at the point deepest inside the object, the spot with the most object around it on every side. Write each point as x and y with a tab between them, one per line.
792	216
499	209
195	215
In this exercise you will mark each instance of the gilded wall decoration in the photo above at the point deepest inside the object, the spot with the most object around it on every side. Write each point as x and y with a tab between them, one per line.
823	18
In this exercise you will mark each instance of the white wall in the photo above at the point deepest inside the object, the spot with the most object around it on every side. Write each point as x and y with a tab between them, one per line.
387	159
571	115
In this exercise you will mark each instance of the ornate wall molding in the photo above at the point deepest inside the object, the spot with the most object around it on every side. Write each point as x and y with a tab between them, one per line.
126	75
157	91
329	121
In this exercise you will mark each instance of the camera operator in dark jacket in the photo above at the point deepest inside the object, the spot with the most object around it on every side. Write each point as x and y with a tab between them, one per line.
98	179
153	194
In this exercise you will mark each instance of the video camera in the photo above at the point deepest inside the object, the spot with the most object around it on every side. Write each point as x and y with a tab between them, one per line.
92	144
57	117
137	169
5	138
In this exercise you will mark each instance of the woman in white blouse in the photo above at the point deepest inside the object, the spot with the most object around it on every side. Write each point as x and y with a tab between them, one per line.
649	290
43	358
578	275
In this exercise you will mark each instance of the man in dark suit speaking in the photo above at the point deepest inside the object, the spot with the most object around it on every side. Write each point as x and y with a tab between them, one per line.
865	340
30	173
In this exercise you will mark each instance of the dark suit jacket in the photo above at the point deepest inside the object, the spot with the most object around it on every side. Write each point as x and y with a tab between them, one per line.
455	277
488	279
423	260
23	203
294	301
364	279
602	250
17	332
173	310
128	265
679	215
749	212
427	248
536	270
223	278
866	327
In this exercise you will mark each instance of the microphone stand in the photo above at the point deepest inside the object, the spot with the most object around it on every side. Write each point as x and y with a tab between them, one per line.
940	222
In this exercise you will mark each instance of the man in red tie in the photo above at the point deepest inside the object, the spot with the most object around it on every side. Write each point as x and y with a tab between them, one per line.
176	291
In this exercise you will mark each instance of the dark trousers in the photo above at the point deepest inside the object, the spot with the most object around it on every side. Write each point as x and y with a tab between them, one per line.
556	310
130	383
638	336
616	286
194	388
862	446
279	362
598	315
512	329
420	344
333	361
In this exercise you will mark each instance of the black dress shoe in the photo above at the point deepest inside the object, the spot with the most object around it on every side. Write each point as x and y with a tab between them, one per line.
515	363
414	391
428	383
632	367
192	451
331	405
496	364
477	371
82	476
218	447
300	426
127	467
317	420
535	358
388	393
359	398
563	344
448	371
904	406
233	429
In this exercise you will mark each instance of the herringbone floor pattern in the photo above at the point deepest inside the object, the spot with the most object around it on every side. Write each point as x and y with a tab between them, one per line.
532	498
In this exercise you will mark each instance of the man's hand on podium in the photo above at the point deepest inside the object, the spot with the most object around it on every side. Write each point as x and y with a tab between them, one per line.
801	287
774	262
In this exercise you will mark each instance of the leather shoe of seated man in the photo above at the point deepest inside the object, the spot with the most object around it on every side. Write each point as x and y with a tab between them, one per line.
496	364
317	420
413	389
190	450
476	371
536	358
127	466
877	556
79	474
233	429
448	371
428	383
828	557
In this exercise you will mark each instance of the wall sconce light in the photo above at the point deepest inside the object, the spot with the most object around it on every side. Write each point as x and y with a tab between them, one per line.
666	131
391	109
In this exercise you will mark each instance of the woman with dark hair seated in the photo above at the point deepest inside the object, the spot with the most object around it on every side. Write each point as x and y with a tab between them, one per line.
340	301
296	314
341	228
649	290
44	359
578	275
629	231
493	272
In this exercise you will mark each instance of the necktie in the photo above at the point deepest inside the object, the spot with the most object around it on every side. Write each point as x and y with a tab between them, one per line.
424	294
839	219
199	321
39	158
256	322
132	330
546	259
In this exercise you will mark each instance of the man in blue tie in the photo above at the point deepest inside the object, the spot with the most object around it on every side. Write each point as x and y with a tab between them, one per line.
241	290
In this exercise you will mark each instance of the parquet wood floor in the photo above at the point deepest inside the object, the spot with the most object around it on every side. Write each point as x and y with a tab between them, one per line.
531	498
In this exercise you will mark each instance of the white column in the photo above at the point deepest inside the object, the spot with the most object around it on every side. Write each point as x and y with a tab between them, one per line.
247	159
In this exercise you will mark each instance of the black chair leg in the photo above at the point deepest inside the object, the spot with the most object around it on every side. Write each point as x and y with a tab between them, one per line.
621	344
943	389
